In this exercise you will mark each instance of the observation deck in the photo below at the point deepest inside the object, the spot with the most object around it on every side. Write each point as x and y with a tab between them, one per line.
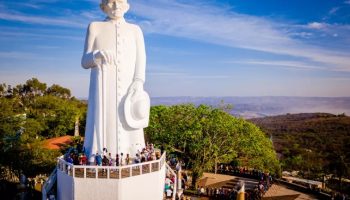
130	182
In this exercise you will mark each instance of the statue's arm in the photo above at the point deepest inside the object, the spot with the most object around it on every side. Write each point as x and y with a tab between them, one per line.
140	68
88	59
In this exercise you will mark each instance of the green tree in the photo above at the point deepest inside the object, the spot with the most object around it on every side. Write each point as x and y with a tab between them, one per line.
2	90
208	136
58	91
34	87
32	112
57	116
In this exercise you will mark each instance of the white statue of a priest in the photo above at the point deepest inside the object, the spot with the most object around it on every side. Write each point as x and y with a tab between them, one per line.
118	107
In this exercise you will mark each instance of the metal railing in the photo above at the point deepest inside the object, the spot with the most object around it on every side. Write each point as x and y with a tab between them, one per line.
110	172
49	184
171	171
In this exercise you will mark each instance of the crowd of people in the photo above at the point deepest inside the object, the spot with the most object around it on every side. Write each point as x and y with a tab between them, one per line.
170	178
176	165
264	182
225	193
169	185
245	172
77	156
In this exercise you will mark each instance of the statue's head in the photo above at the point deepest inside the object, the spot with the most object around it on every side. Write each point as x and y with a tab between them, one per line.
114	9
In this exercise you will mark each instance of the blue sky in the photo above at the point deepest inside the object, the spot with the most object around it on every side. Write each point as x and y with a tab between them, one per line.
194	47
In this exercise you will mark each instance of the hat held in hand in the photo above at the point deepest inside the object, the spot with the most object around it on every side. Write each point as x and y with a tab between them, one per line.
136	109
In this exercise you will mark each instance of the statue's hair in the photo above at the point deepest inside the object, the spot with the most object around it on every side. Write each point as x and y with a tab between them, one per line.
105	2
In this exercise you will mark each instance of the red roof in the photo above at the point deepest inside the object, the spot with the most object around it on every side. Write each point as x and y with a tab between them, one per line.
57	143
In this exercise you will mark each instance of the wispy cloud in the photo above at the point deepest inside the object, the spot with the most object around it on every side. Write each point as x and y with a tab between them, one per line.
217	25
186	75
42	1
284	64
46	47
92	15
324	28
333	10
171	74
22	56
317	25
208	76
29	5
172	51
43	20
301	34
211	24
31	34
172	71
347	2
5	5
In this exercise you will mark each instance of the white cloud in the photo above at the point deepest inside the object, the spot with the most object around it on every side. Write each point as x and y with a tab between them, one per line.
95	15
44	20
333	10
284	64
219	26
317	25
347	2
13	34
302	34
29	5
216	25
186	75
46	47
22	56
171	74
17	55
43	1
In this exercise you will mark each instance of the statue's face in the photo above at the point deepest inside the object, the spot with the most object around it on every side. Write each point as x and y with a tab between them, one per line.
115	9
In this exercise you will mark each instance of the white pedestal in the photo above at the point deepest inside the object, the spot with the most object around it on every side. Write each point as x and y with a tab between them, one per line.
144	181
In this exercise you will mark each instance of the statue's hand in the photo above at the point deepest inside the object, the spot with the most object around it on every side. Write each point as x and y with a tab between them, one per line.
105	57
136	86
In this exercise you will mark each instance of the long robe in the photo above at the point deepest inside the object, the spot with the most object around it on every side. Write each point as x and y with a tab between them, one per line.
109	84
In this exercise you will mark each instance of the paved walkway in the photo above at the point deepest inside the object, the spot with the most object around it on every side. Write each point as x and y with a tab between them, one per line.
225	181
276	192
281	192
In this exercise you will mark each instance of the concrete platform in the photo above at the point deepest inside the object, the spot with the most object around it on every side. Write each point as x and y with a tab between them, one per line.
132	182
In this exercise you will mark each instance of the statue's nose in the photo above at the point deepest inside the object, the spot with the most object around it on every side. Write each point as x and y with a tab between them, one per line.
115	5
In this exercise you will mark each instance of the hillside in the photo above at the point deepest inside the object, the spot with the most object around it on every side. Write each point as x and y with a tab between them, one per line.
253	107
318	142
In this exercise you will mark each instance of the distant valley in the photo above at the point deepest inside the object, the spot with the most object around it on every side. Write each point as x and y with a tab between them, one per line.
254	107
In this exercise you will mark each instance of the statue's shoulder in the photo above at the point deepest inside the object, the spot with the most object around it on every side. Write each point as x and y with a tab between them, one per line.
136	28
98	24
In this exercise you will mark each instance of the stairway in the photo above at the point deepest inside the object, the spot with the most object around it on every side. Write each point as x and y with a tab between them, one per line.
47	188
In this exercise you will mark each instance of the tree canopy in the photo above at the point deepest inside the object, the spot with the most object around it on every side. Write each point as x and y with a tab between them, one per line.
30	113
207	136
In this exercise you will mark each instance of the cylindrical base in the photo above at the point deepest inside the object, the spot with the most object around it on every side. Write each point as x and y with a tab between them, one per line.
240	196
148	186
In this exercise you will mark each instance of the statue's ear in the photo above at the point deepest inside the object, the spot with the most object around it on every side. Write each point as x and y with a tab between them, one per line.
127	7
102	7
